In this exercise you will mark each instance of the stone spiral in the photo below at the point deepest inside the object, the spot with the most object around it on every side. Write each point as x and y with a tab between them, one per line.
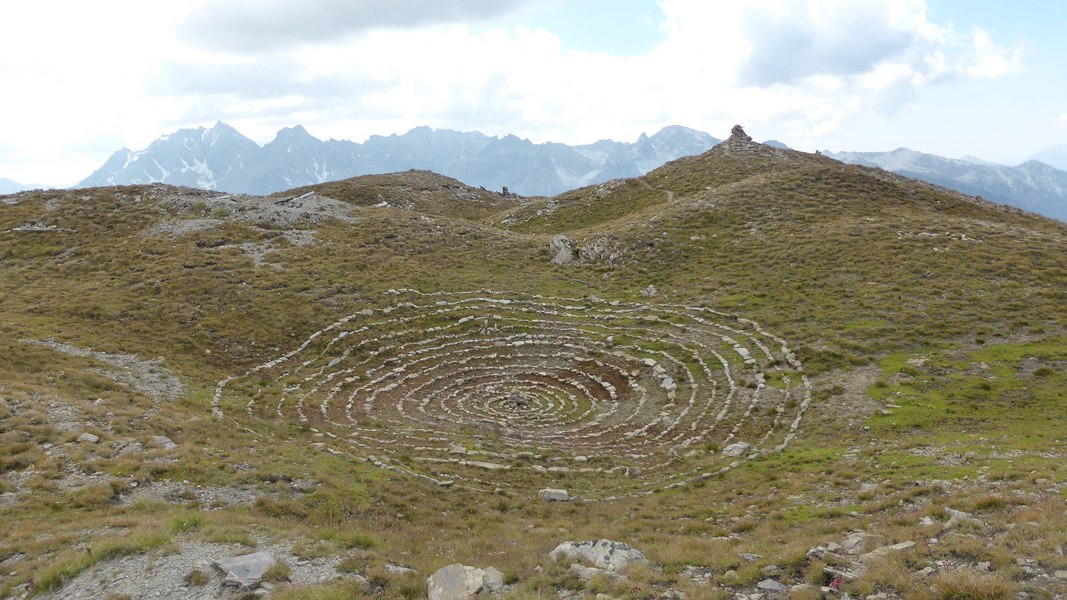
507	391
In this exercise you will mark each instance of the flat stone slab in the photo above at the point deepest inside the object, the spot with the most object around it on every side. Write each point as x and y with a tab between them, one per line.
245	571
554	495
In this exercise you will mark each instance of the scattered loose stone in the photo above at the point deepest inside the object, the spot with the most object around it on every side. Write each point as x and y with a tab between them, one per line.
958	517
586	573
926	572
736	449
770	585
554	495
884	551
854	543
398	569
771	571
88	438
164	442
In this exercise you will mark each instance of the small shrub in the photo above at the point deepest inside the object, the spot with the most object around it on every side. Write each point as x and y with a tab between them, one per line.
361	541
968	585
278	572
186	521
196	578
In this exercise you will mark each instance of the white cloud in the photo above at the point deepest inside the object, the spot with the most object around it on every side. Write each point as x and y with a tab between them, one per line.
1062	120
258	25
989	59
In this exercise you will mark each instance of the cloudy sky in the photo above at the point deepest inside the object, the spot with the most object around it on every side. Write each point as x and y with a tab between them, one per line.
81	79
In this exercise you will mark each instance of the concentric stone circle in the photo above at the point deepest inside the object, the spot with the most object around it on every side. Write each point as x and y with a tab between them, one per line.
494	391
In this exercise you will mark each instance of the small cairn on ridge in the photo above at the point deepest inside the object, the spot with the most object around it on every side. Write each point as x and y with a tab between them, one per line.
740	143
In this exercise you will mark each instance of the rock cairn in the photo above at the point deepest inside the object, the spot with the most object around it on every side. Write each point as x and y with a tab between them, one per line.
499	391
741	144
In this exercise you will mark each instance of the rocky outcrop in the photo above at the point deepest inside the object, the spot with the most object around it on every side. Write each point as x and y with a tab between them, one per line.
605	554
597	250
565	251
562	250
460	582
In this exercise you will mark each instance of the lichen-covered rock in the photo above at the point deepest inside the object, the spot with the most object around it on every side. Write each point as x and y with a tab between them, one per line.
460	582
562	250
604	554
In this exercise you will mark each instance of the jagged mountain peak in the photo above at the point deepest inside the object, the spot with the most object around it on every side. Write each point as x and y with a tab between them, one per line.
296	132
221	158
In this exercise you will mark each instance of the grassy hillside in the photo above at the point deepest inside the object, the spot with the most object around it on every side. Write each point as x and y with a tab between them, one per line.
915	336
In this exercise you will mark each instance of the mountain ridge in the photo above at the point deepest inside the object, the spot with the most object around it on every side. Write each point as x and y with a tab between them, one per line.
1032	185
220	158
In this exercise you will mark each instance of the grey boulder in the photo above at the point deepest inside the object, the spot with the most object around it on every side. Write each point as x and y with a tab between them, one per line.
562	250
605	554
460	582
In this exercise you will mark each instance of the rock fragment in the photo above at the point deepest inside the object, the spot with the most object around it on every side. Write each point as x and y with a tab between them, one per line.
244	572
554	495
736	449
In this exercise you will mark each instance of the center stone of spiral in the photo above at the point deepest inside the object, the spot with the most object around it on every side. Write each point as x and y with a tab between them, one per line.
518	401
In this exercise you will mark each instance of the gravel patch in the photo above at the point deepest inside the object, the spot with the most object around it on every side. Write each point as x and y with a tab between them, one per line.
147	376
162	574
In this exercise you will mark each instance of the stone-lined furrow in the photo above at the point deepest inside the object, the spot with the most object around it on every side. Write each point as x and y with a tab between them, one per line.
473	388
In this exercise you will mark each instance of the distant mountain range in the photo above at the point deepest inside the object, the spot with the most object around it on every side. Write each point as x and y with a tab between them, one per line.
8	186
220	158
1033	186
1055	156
